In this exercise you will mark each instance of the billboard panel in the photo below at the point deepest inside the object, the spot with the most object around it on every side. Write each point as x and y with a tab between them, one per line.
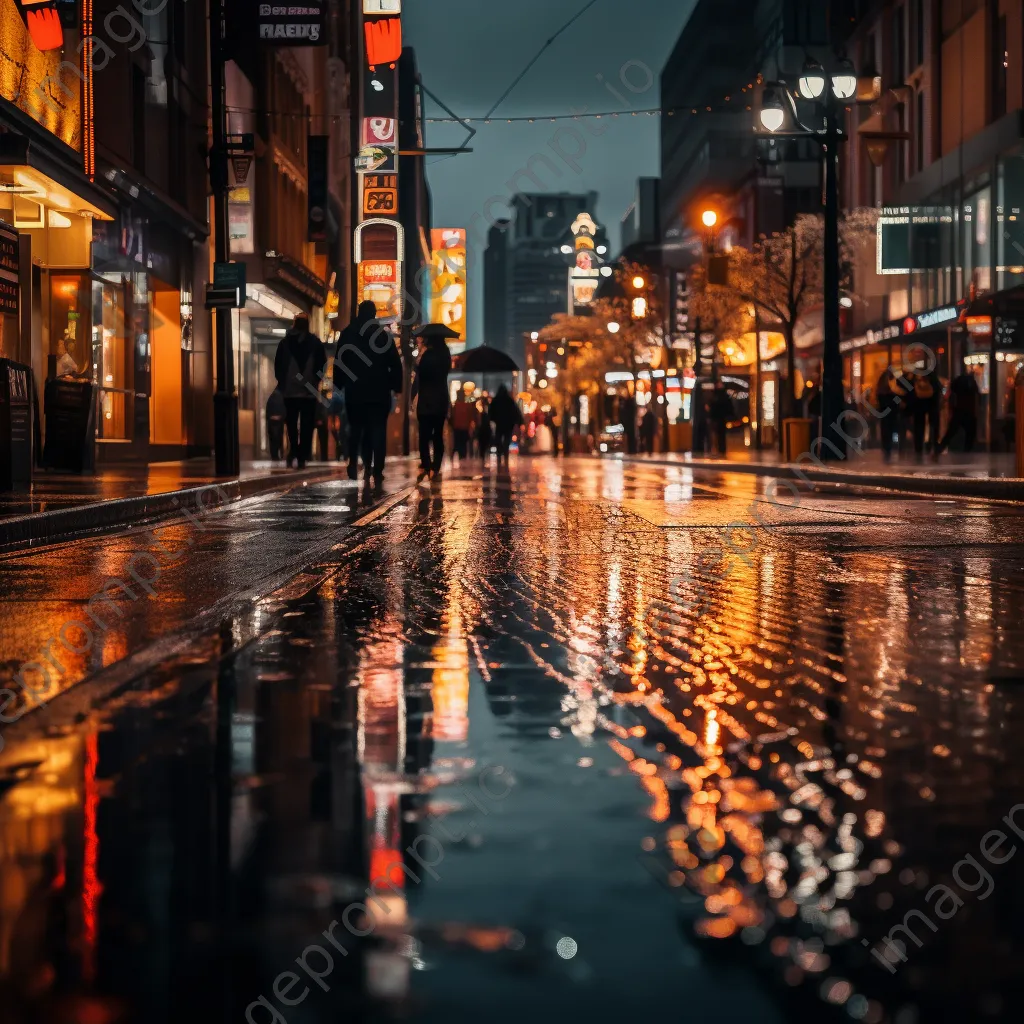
448	282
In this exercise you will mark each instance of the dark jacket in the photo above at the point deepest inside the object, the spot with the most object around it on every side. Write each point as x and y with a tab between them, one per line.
963	394
276	409
431	386
299	362
367	365
503	412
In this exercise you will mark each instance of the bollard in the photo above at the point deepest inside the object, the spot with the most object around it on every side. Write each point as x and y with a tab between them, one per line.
1018	389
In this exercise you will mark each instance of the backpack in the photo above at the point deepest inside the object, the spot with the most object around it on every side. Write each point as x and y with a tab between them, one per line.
923	388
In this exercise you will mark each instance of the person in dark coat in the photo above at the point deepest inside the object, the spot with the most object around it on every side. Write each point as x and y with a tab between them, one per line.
369	369
299	366
925	408
963	401
432	402
648	428
506	416
484	435
720	411
277	413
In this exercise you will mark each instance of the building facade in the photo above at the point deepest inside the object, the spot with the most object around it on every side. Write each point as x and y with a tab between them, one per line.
526	271
949	254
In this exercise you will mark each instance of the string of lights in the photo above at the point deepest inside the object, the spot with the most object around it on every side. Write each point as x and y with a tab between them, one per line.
728	106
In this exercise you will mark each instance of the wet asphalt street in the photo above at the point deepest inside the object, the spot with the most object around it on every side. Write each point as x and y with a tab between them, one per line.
593	740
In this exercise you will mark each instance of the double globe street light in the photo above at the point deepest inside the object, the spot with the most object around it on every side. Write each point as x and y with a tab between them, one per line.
829	93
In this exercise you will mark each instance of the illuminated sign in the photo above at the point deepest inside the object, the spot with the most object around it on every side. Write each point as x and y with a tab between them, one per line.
379	131
448	284
380	194
293	24
930	319
383	40
585	272
40	69
379	96
43	23
380	283
382	6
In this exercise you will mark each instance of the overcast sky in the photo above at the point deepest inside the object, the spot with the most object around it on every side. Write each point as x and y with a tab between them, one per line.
469	51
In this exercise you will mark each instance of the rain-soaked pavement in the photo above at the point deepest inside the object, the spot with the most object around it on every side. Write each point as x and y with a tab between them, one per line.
592	741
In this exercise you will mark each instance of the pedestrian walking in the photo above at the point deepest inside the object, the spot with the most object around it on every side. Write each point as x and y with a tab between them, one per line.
720	411
463	419
368	368
648	428
506	416
277	413
298	366
430	389
887	404
336	421
925	408
484	434
963	405
627	412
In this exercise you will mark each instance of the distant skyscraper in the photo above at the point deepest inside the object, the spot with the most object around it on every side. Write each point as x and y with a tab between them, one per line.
527	255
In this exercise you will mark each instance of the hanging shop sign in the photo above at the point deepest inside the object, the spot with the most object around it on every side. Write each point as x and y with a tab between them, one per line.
585	273
42	19
377	145
380	195
293	24
448	282
379	93
383	41
9	270
380	282
382	6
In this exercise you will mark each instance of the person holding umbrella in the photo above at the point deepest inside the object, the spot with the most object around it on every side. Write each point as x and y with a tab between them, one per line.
430	389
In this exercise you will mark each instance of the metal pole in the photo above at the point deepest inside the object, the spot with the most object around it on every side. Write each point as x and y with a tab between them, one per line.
832	401
225	399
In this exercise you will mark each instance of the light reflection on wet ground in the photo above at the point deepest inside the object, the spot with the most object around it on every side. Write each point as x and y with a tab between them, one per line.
654	743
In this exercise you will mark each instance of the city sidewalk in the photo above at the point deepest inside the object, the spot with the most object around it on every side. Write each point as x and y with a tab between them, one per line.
61	505
980	474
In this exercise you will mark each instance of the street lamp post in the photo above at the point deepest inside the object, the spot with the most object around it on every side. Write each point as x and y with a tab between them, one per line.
778	106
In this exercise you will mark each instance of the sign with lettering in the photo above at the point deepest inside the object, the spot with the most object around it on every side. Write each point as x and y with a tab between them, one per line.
9	270
380	194
293	24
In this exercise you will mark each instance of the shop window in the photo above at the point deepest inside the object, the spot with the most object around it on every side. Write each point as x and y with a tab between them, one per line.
69	350
112	359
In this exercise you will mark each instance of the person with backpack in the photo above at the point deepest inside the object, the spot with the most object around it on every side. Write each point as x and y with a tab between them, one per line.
925	410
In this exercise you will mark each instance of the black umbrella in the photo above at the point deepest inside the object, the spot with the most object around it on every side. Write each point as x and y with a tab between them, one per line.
435	330
485	359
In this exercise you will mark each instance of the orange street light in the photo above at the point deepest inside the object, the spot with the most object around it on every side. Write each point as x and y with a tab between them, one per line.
709	218
638	282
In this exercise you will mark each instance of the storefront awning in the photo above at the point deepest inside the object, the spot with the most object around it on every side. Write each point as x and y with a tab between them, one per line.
27	170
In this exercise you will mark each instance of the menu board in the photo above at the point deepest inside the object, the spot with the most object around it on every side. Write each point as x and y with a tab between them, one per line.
9	268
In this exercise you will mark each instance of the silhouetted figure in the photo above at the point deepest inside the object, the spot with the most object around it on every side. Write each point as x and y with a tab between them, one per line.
720	411
888	399
627	411
431	392
484	435
299	366
963	402
463	418
506	416
277	413
925	408
648	428
367	365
